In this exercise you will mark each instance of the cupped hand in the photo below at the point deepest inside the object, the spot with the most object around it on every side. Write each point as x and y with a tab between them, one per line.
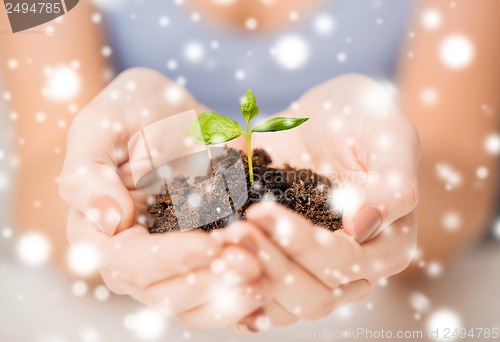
358	138
184	274
314	271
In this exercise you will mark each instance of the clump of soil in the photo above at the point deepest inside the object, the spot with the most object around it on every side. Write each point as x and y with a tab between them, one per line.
301	190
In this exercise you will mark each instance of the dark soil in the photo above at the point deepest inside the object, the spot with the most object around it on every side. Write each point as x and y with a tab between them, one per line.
301	190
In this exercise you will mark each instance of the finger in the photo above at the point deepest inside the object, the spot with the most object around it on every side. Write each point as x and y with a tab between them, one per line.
352	292
112	282
141	258
241	328
278	315
272	314
376	153
390	189
255	322
377	209
336	258
98	143
96	190
228	308
187	292
288	280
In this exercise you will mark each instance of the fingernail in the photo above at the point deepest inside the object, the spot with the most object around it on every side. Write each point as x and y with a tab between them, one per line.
109	214
366	221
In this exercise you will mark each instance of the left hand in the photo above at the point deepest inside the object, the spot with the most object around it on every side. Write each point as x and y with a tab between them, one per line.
314	271
361	140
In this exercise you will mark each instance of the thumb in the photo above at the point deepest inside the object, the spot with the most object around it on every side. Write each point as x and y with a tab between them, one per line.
381	201
96	190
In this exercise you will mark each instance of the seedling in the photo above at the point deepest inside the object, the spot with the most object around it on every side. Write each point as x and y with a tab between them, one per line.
212	128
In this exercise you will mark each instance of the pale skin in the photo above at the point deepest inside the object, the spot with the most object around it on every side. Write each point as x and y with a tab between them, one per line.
305	265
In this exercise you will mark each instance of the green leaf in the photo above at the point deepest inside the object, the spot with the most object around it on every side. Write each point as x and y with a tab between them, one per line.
249	108
279	124
212	128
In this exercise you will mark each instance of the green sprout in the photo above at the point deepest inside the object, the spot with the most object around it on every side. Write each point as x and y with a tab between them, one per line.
212	128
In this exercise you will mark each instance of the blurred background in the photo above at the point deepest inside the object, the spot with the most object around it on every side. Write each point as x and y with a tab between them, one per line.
438	59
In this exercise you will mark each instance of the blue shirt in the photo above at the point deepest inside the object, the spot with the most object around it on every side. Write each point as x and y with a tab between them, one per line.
219	62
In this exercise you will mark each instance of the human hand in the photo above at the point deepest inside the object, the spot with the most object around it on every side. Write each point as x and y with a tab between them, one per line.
314	271
358	138
183	274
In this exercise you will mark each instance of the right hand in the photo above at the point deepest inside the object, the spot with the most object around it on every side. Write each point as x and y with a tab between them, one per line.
184	274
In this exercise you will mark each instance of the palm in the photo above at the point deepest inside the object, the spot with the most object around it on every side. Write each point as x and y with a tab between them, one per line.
358	137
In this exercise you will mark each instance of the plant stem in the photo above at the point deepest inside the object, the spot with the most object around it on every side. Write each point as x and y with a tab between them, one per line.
250	161
248	137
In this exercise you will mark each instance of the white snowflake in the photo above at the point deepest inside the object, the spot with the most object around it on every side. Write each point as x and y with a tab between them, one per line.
101	293
172	64
33	249
457	51
79	288
496	229
341	57
451	220
420	302
492	144
431	19
164	21
83	259
324	24
7	232
449	175
291	52
440	321
482	172
194	51
240	74
12	63
251	23
62	83
429	96
146	324
434	269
